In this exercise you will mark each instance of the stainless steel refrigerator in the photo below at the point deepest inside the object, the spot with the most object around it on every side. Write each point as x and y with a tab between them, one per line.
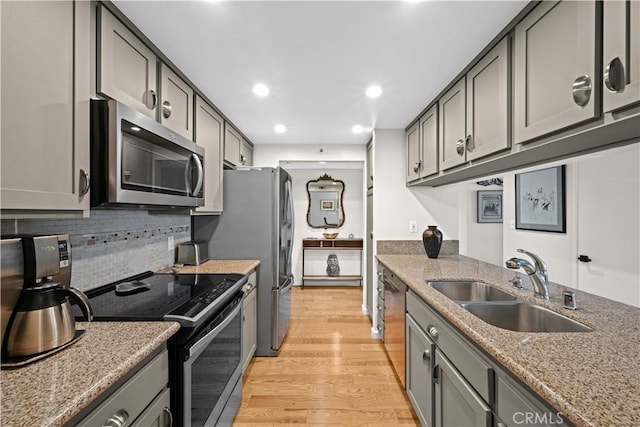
257	223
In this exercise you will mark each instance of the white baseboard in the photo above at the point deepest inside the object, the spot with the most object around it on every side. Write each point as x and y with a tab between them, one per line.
365	310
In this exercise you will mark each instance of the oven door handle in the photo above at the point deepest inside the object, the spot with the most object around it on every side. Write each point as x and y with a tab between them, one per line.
199	346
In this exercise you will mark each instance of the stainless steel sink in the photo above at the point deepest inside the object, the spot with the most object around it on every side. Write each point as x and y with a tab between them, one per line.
524	317
462	290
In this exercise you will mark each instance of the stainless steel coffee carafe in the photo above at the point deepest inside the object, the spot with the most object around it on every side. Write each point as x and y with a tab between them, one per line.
42	319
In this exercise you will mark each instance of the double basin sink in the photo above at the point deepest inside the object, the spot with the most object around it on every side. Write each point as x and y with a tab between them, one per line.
504	310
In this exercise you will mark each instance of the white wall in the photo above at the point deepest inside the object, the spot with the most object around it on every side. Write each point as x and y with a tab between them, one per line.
354	196
395	205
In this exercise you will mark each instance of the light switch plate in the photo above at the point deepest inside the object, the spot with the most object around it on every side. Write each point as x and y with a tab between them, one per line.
170	245
413	227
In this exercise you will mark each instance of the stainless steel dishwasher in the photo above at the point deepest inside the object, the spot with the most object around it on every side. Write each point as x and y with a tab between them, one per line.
394	321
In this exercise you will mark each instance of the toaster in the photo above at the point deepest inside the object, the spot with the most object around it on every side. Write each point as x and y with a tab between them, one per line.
193	253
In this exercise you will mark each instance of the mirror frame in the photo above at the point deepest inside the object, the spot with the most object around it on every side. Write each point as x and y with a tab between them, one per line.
326	177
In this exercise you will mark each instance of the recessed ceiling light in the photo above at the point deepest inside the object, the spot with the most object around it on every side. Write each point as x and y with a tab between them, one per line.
373	91
280	128
261	90
357	129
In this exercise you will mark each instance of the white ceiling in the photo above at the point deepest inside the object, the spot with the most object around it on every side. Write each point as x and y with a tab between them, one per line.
318	57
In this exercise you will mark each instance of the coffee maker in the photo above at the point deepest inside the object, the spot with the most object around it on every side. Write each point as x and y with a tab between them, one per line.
40	319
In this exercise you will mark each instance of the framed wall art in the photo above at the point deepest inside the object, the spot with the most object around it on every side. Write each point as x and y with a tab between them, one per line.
490	206
540	200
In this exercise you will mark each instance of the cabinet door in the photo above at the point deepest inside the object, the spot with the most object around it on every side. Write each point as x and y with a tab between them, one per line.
621	54
249	325
429	142
246	154
209	128
126	67
555	68
232	143
453	126
456	403
176	107
420	352
157	414
488	103
413	153
45	106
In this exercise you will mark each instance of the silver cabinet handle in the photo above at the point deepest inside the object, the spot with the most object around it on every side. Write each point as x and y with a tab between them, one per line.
469	143
119	419
426	355
432	331
166	109
243	159
169	416
460	147
85	182
151	99
614	76
581	90
379	307
416	166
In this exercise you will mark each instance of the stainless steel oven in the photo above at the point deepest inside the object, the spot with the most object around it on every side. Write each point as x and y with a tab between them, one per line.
136	161
212	370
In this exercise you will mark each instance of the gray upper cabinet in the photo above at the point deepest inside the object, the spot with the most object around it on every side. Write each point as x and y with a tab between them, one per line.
488	103
209	133
246	153
126	67
413	153
555	68
429	142
176	103
232	143
621	54
452	126
45	57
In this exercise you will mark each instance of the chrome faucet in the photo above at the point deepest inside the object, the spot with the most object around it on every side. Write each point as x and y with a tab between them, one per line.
537	273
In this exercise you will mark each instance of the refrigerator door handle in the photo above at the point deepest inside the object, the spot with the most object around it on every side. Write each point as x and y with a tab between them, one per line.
291	216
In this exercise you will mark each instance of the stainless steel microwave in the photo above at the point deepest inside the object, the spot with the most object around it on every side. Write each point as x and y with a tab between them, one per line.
137	162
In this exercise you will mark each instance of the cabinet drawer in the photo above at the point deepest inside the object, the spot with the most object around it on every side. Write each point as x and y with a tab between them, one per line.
158	413
476	371
135	395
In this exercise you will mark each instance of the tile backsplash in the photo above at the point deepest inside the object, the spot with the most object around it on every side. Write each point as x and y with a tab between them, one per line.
113	244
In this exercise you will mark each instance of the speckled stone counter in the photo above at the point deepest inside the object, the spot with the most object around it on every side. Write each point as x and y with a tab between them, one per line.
220	267
52	391
592	378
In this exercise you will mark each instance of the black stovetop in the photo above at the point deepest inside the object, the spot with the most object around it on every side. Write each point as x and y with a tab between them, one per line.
155	296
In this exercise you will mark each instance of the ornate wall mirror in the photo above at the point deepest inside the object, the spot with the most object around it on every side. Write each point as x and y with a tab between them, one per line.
325	202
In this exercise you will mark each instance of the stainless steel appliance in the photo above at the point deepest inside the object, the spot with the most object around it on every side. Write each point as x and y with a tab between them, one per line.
257	223
41	320
205	356
395	292
136	161
193	253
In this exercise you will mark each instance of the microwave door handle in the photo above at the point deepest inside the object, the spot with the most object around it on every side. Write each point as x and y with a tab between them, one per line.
187	175
200	170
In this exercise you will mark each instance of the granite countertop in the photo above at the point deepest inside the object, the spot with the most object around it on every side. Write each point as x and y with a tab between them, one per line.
592	378
218	266
52	391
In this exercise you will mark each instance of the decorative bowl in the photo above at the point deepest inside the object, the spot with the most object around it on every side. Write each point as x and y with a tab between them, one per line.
330	235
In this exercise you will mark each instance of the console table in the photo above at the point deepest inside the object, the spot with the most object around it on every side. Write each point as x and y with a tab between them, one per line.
332	245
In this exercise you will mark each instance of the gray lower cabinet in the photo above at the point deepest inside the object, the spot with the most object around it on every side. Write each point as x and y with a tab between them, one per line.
555	68
209	134
456	402
249	321
127	68
45	58
621	54
419	365
141	401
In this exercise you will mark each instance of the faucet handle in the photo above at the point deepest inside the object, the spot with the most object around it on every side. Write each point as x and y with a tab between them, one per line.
516	282
540	265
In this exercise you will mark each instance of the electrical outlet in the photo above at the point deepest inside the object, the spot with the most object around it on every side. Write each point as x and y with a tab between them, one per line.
413	227
170	245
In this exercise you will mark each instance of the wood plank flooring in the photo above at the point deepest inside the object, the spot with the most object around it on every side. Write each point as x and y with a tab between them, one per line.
330	372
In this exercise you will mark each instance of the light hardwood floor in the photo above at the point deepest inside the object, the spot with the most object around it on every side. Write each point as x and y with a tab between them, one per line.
330	372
